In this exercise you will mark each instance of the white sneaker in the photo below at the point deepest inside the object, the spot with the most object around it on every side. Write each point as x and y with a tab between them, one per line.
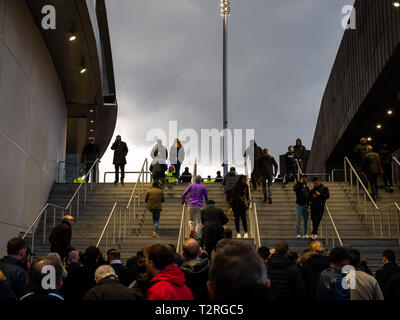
298	236
306	236
246	235
238	236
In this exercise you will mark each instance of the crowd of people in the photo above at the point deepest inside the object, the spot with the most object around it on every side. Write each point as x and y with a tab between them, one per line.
230	271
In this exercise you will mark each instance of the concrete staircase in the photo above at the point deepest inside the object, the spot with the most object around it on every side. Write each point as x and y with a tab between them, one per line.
276	221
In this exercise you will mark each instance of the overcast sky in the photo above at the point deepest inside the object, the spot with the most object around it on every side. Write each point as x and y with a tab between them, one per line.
168	66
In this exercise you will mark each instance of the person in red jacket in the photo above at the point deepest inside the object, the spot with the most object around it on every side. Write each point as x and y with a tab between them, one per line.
168	281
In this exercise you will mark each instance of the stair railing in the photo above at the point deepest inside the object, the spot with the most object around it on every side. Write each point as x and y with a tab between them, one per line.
184	226
396	163
43	213
253	216
136	196
328	219
183	229
116	222
368	206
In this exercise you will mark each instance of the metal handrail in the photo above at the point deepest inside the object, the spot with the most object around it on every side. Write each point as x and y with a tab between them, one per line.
183	229
253	216
105	228
126	172
63	209
135	198
336	232
376	209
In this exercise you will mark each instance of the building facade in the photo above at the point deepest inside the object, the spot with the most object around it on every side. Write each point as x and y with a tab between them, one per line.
49	105
362	97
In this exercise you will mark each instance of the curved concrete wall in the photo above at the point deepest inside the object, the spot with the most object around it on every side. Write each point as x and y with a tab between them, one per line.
33	118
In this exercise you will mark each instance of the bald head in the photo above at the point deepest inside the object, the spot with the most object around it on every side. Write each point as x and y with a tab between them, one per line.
191	249
104	272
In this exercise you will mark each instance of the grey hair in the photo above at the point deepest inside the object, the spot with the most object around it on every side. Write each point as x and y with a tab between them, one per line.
54	256
104	272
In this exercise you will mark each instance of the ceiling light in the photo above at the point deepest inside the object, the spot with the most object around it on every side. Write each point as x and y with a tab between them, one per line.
369	139
91	130
379	126
396	4
72	37
83	70
390	112
91	121
91	110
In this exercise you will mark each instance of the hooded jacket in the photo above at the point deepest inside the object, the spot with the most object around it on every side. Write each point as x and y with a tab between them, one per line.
286	278
154	198
311	270
319	201
169	284
300	151
197	192
302	194
196	273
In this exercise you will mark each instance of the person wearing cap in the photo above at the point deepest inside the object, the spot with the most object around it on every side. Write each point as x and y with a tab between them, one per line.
213	220
90	154
197	191
302	202
154	199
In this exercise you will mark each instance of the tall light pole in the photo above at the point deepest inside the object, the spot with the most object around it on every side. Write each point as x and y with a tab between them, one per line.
225	12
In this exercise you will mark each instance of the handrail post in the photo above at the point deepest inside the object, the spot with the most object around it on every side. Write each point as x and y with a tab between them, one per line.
380	219
389	218
44	226
113	227
77	207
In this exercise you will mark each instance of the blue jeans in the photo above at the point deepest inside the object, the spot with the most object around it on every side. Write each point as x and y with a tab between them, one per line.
156	218
302	213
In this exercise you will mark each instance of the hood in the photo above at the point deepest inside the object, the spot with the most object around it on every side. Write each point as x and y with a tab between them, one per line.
197	265
279	262
231	173
318	261
171	274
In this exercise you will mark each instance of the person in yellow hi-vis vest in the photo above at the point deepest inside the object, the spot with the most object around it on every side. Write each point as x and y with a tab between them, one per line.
209	180
171	177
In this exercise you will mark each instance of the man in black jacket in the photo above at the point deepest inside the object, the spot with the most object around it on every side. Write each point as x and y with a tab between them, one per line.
60	237
268	168
114	259
13	268
390	268
120	151
108	287
196	266
213	220
300	152
319	195
302	202
286	278
90	154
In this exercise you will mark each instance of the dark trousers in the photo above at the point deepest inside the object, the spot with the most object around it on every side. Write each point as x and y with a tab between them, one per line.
387	175
239	211
373	182
316	217
117	167
228	195
88	165
290	171
177	167
264	181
